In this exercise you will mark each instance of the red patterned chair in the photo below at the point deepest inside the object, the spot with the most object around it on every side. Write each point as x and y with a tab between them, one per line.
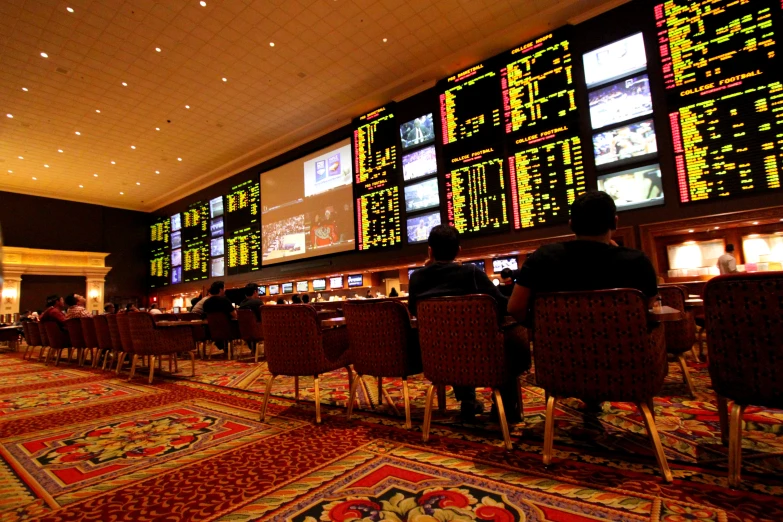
116	342
33	337
90	338
155	342
680	335
199	331
74	328
597	346
223	329
744	323
296	345
58	340
250	330
382	344
123	328
44	343
103	335
462	345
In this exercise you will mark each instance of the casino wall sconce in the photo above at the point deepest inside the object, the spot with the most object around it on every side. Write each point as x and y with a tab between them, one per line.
9	295
94	294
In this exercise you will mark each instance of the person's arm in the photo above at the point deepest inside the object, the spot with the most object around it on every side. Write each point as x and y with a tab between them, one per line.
519	303
524	288
732	265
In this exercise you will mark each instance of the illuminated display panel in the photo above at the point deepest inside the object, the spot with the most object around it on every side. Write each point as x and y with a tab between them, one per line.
378	218
288	288
319	284
302	286
195	221
547	174
475	193
160	266
195	260
538	86
159	232
376	150
470	110
336	282
274	289
243	251
729	145
714	44
243	206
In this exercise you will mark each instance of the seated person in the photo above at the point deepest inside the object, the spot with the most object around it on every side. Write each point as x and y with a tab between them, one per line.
198	307
154	310
441	277
296	299
108	309
306	299
591	262
54	310
506	285
218	302
75	304
280	301
251	301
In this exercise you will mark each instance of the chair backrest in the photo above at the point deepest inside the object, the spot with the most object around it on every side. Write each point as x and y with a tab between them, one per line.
249	326
42	332
56	336
74	328
680	335
88	331
141	332
32	333
380	333
102	333
165	317
595	345
292	339
123	327
744	323
114	331
189	316
220	327
461	341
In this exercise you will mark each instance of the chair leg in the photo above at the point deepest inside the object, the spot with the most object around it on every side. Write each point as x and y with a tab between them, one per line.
521	398
296	388
105	359
389	400
686	374
380	390
442	398
133	366
192	363
735	444
502	416
549	429
256	345
317	402
407	399
152	366
425	429
352	394
57	358
366	392
652	431
120	361
723	416
266	397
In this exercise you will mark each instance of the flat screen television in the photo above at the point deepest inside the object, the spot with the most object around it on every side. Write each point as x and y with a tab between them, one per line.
319	285
176	257
217	247
419	227
355	280
176	275
216	226
421	196
176	309
302	286
274	289
216	207
417	132
419	163
218	266
478	263
288	288
629	143
336	282
634	188
176	239
262	290
176	222
499	263
613	61
621	101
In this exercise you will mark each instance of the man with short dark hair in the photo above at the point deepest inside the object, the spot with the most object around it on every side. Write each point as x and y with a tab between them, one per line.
218	302
251	301
296	299
506	285
54	310
305	298
108	309
75	304
591	262
441	277
726	263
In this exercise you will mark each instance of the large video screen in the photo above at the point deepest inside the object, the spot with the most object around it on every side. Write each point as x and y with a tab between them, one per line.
613	61
307	206
421	196
419	227
216	207
629	142
620	102
176	239
417	132
634	188
419	163
218	265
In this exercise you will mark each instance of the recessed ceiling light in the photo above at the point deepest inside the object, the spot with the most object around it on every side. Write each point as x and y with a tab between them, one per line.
385	40
203	3
78	133
716	228
138	183
122	193
755	222
59	150
69	9
20	157
225	79
10	171
179	159
691	231
187	106
133	147
271	44
81	186
10	115
157	128
113	163
46	166
158	172
44	55
25	89
124	84
98	111
157	49
95	175
34	178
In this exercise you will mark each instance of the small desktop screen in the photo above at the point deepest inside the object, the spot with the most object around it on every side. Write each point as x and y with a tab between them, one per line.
176	309
355	280
274	289
417	132
302	286
500	263
319	284
634	188
288	288
479	263
336	282
262	290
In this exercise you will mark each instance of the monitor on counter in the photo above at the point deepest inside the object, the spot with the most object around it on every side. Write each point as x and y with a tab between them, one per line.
355	280
274	289
336	282
302	286
288	288
262	290
500	263
478	263
319	285
176	309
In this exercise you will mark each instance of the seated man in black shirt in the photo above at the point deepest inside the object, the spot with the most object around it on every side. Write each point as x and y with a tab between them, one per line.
592	262
506	286
441	277
251	301
217	302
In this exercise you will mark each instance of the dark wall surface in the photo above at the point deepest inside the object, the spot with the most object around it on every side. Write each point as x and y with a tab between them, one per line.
36	288
36	222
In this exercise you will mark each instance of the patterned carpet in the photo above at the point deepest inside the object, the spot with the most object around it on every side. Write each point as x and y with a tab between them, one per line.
80	444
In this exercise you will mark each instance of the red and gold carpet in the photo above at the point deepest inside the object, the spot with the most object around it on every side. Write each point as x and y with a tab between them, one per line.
90	446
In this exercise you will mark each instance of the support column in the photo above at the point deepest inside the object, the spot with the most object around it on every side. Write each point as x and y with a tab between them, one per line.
94	294
11	293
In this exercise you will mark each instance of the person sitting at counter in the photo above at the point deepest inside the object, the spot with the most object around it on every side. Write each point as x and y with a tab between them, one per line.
251	300
108	309
305	298
394	293
296	299
506	285
442	276
54	310
726	263
75	304
280	301
217	302
590	262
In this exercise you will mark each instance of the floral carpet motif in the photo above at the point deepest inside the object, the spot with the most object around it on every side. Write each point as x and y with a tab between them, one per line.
36	402
42	376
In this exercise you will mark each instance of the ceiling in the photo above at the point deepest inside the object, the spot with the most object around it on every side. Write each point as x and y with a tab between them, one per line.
169	124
